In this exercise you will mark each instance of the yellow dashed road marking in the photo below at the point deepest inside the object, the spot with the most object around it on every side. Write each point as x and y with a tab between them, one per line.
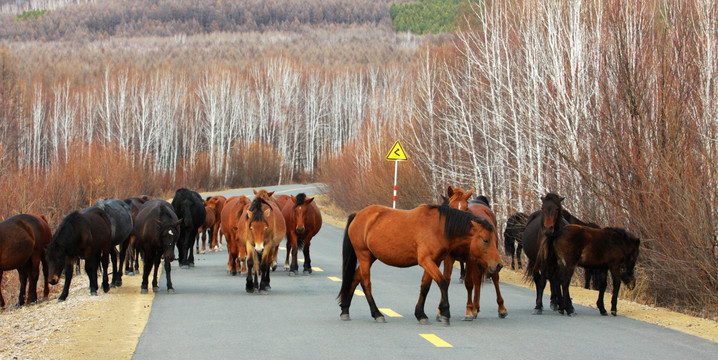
389	312
314	268
437	341
358	292
334	278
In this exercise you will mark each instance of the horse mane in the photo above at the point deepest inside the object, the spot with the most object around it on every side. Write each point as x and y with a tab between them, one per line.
458	222
301	198
574	220
256	209
625	236
481	199
68	224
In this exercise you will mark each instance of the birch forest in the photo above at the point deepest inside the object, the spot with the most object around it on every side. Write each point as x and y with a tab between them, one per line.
611	104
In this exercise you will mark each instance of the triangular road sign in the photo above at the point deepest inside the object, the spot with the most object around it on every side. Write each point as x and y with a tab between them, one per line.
396	152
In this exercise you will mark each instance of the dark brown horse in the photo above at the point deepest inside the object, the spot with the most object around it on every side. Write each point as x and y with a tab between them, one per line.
261	228
589	274
236	249
157	231
303	221
85	235
544	224
515	226
459	199
404	238
609	248
133	256
23	239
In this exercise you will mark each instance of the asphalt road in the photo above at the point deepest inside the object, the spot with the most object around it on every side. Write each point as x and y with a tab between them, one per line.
212	317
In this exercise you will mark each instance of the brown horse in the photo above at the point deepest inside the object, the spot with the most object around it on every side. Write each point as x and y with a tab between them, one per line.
231	213
261	228
280	200
207	226
609	248
303	221
157	230
459	199
217	203
403	238
23	239
86	235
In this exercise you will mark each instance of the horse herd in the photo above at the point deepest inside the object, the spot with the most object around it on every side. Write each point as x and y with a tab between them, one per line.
460	229
253	230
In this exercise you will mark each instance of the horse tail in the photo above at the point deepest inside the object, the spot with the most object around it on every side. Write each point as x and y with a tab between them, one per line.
546	257
509	247
349	265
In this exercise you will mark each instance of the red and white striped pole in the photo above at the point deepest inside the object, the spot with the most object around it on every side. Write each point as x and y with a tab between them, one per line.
396	168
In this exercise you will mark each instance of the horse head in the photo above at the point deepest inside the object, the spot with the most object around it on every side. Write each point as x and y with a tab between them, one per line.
169	232
630	245
257	223
63	247
552	213
458	198
300	211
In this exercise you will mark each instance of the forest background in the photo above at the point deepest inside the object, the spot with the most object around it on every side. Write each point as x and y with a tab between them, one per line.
611	104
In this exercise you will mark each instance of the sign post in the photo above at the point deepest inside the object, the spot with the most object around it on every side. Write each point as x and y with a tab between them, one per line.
396	154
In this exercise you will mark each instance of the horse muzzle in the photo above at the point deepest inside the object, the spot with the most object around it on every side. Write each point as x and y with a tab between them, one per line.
631	283
53	280
495	269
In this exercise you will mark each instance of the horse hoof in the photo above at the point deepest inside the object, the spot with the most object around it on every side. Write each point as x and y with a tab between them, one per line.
345	317
560	312
424	321
155	289
144	291
554	307
537	312
60	300
292	273
570	314
190	265
613	312
171	291
503	315
445	320
380	319
184	266
604	313
468	318
93	293
306	272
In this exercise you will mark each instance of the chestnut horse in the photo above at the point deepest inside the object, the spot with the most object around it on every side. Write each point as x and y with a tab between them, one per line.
23	239
303	221
86	235
459	199
404	238
231	212
543	225
261	228
609	248
206	227
216	202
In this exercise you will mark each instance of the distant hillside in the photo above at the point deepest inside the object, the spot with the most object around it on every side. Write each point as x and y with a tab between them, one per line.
102	19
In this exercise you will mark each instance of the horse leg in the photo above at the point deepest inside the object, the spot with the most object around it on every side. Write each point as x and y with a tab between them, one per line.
190	246
423	291
22	273
602	284
472	306
616	287
232	250
462	273
105	259
365	273
146	269
294	249
249	287
115	272
540	283
45	275
499	299
157	258
69	269
91	265
307	258
519	249
121	264
566	303
264	282
168	271
432	268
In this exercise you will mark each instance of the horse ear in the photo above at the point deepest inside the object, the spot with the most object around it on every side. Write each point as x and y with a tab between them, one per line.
543	198
560	199
469	193
255	191
249	214
308	201
179	221
450	191
270	194
294	198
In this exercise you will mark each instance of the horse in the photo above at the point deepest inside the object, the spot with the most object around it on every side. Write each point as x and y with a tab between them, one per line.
459	199
190	206
86	235
542	226
236	249
261	228
205	228
589	274
303	221
515	226
121	223
610	248
157	231
132	256
216	202
279	200
23	239
403	238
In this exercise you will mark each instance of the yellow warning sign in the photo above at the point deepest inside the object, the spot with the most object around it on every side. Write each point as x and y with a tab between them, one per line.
396	152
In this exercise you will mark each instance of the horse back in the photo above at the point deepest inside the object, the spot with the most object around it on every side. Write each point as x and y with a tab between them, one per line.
21	236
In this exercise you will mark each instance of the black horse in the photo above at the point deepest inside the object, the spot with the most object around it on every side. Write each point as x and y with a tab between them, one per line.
188	205
541	226
515	226
157	230
120	216
84	235
133	263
